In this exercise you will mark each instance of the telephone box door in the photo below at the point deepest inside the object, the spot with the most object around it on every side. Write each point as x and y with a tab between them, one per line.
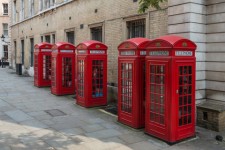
126	80
47	68
36	69
186	98
98	77
53	72
80	79
157	97
68	70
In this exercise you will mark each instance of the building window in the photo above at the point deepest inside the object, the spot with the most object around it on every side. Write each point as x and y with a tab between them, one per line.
22	51
14	11
5	9
53	38
41	5
31	7
96	33
5	29
48	38
22	10
15	51
31	52
52	2
44	4
47	4
5	47
136	28
42	39
70	37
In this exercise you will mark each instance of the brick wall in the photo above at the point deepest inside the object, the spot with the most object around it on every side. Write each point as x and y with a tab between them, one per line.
111	13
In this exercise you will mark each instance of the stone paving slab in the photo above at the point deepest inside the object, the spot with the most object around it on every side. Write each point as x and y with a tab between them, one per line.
24	124
106	133
18	115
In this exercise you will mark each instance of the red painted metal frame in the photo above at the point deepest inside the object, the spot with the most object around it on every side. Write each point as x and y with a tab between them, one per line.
134	117
170	129
61	51
41	50
85	83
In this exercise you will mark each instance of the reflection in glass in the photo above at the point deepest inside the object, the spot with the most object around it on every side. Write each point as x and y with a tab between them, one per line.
126	83
157	93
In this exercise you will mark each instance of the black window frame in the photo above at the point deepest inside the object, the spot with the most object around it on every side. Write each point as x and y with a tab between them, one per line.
136	28
96	33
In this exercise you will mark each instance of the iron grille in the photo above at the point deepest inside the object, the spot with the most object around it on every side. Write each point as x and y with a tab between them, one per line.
136	28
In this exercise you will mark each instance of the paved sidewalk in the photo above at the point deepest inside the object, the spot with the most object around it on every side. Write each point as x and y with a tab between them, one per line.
32	118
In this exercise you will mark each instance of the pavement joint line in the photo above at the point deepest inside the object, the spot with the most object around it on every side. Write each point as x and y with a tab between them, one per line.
103	111
188	140
128	127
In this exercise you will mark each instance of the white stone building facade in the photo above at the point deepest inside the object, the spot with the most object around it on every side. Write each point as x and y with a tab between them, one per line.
4	30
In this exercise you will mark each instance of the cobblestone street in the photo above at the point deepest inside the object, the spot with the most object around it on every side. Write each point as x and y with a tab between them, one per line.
32	118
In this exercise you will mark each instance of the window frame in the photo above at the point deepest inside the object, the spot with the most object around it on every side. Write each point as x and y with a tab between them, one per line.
5	30
3	8
14	11
97	33
136	28
22	10
71	33
31	52
6	52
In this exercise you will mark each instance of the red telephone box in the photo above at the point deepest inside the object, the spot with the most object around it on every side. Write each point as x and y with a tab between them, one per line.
91	74
42	64
63	69
131	82
170	89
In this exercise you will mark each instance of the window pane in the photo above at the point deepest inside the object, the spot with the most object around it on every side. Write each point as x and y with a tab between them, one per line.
5	52
70	37
5	9
48	38
96	33
5	29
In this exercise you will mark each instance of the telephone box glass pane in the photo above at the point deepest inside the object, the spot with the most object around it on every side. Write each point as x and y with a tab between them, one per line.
185	94
157	93
35	66
53	72
97	78
67	72
80	78
46	67
126	86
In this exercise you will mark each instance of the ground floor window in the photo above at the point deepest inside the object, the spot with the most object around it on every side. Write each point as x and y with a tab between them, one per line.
70	37
5	49
96	33
136	28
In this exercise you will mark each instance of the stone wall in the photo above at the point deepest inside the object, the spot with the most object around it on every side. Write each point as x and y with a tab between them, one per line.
215	50
188	19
